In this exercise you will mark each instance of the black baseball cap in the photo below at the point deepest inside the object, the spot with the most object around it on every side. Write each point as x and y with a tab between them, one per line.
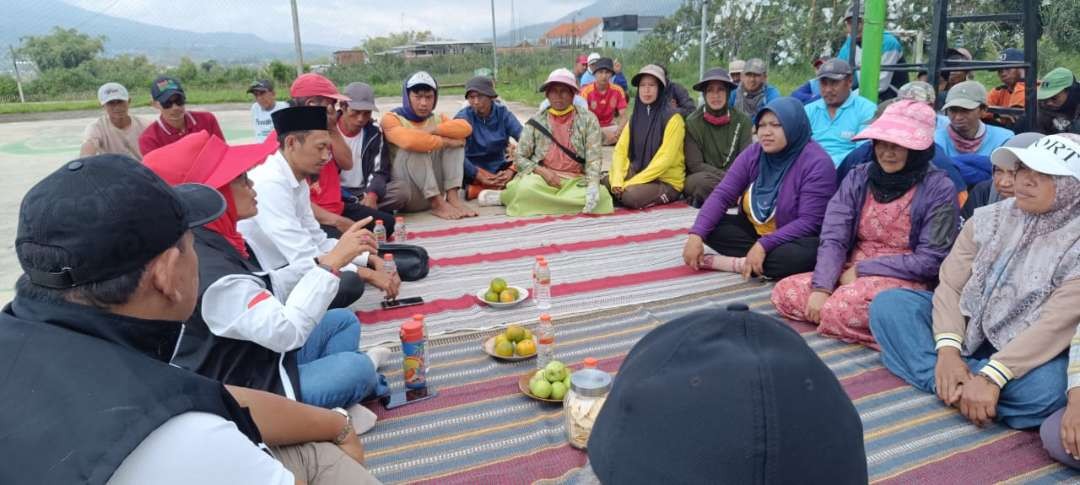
106	215
165	87
726	396
261	85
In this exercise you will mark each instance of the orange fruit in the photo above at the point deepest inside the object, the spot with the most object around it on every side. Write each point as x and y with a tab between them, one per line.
507	296
504	348
526	348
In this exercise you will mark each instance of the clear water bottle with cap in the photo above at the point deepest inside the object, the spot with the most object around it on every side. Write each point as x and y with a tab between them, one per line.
543	285
536	267
589	389
545	338
389	266
400	234
380	232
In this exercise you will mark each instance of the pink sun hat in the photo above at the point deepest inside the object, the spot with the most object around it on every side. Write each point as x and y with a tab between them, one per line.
561	76
907	123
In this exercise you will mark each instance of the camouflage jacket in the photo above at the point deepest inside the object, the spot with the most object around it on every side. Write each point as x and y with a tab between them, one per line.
585	138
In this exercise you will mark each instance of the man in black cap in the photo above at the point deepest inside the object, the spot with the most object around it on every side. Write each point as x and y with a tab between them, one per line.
489	149
726	397
176	121
88	393
265	104
285	229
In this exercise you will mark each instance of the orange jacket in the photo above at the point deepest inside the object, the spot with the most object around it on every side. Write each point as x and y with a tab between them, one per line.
409	136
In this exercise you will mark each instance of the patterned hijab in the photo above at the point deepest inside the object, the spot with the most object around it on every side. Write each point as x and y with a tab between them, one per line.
1021	260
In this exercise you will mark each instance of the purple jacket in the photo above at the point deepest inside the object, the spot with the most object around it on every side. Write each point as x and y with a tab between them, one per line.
800	207
935	222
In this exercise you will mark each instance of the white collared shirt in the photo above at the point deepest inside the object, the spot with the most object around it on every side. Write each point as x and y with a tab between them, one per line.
285	229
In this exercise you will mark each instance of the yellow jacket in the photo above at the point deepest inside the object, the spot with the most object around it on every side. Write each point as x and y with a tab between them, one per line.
668	165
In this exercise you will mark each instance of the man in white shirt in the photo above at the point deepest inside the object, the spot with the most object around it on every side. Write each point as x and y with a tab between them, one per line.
85	350
285	229
367	180
116	131
265	105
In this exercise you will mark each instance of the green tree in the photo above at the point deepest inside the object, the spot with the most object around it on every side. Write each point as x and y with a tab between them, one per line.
376	45
62	49
187	71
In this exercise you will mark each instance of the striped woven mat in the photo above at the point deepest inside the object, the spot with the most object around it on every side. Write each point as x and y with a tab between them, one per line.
618	277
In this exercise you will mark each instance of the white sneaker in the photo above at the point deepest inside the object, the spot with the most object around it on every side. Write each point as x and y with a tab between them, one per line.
362	418
489	198
378	355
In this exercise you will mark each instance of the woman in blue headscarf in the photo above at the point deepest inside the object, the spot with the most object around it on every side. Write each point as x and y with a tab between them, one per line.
781	186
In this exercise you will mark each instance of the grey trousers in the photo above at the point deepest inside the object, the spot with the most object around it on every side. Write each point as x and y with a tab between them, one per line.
322	464
417	177
699	186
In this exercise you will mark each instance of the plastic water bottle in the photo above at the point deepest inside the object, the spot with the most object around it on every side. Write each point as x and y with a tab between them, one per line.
389	266
535	285
545	337
543	285
380	232
400	235
414	362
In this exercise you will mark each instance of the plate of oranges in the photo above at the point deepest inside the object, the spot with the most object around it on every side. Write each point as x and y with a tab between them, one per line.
513	344
500	295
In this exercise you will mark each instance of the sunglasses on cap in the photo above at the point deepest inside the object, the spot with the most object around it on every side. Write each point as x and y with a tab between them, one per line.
177	100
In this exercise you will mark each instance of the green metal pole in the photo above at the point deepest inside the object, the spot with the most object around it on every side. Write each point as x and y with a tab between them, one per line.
872	38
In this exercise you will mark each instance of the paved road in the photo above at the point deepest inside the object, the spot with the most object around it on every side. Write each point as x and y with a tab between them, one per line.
32	146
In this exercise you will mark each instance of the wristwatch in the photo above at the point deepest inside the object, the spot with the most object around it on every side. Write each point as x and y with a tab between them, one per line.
343	436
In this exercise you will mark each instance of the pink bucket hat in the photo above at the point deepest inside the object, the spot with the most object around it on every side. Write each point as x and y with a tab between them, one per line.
907	123
561	76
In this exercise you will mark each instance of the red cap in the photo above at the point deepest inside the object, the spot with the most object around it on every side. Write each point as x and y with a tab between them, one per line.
312	84
412	330
388	256
545	316
399	219
583	59
206	159
590	363
378	222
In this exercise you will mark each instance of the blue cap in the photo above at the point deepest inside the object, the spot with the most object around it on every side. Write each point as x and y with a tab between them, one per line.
1012	55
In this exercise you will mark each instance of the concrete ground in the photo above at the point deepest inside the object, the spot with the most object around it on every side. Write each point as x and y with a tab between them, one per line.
32	146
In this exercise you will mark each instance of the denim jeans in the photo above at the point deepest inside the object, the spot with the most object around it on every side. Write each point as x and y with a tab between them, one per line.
333	373
902	324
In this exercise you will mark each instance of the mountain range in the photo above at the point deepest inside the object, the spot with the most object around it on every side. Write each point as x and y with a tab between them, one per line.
161	45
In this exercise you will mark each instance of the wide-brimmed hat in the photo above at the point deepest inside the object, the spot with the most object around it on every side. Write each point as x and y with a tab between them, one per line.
1053	155
907	123
482	85
650	70
715	74
206	159
917	91
560	76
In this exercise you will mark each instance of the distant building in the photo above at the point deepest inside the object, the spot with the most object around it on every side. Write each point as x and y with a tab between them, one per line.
586	33
350	57
436	48
625	31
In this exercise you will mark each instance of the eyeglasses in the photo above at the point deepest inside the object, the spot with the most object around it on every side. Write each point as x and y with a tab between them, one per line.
175	100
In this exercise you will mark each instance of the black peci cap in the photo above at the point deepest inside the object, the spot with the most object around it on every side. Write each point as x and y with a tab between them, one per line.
299	118
726	396
106	215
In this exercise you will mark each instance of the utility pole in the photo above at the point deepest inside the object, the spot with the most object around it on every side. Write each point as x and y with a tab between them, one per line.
296	39
701	61
494	54
18	78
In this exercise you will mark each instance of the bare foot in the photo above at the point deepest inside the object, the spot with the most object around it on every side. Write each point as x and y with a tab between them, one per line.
454	199
442	209
718	262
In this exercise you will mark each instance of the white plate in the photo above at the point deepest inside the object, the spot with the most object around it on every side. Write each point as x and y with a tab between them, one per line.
523	295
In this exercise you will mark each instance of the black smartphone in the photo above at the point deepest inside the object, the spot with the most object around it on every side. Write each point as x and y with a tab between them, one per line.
407	396
402	302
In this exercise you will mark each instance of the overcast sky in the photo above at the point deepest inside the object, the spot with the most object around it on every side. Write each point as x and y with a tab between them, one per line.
336	22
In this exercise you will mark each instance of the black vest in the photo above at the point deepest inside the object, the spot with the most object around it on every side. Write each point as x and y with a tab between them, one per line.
231	361
80	389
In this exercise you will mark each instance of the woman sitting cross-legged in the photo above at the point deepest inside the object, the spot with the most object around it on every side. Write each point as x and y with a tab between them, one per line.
648	166
784	181
889	226
992	338
558	159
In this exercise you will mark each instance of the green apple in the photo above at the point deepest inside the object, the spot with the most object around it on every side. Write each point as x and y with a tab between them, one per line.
540	388
555	371
558	390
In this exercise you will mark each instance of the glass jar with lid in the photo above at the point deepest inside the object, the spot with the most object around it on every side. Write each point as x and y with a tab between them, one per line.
589	388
